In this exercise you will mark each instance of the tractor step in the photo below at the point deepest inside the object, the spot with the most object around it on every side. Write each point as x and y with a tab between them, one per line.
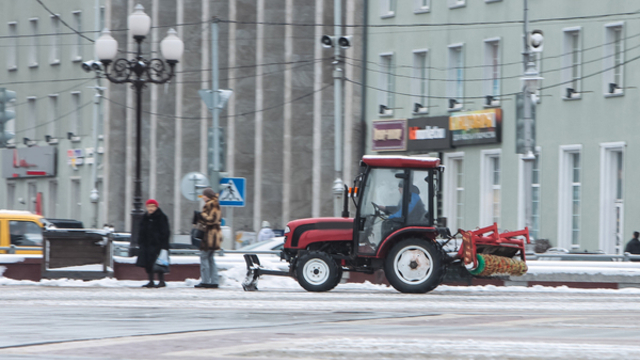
254	270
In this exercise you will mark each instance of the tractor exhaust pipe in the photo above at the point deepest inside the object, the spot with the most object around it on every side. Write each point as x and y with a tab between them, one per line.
345	204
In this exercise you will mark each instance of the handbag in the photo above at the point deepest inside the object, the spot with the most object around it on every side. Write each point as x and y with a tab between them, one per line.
162	262
197	234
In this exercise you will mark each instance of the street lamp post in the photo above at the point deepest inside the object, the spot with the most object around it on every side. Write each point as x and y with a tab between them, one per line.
138	71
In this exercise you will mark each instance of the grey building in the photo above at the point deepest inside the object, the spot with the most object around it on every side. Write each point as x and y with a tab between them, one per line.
448	83
54	108
278	123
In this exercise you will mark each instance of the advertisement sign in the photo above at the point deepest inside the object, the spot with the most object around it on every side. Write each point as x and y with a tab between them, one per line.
476	127
427	134
29	162
389	135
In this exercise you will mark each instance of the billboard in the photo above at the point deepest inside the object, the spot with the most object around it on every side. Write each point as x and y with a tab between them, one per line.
389	135
37	161
476	127
429	133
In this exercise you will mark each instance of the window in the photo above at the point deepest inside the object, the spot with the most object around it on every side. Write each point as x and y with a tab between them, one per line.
12	49
25	233
52	115
32	115
569	197
386	85
75	206
53	199
420	82
455	78
76	53
614	58
387	8
10	126
32	193
454	190
453	4
33	48
491	189
572	63
76	122
11	196
492	72
612	239
54	55
422	6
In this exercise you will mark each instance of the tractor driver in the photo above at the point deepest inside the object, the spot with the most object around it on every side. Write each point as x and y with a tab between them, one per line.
417	211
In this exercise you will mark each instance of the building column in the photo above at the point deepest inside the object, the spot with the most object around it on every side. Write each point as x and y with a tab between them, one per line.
178	127
288	75
257	200
317	114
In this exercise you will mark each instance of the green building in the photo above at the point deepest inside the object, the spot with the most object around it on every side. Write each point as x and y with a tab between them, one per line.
443	78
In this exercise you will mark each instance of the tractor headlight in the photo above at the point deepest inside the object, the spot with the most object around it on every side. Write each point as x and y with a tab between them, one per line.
287	230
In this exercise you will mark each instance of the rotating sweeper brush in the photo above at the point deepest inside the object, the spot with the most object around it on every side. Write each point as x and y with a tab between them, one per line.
486	252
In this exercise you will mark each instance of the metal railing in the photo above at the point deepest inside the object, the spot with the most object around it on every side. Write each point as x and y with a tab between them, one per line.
12	249
583	257
222	252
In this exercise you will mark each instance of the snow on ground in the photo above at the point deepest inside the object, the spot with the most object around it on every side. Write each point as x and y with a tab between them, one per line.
232	279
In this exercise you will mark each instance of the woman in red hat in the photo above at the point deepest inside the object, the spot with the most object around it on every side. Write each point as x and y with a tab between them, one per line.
153	236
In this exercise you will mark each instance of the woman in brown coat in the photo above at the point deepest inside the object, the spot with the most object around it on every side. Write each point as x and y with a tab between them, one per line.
210	217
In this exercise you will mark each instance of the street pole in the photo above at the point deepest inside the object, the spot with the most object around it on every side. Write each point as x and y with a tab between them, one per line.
95	196
214	139
338	188
530	72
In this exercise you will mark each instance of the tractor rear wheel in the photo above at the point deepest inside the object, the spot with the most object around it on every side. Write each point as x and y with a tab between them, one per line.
317	271
415	266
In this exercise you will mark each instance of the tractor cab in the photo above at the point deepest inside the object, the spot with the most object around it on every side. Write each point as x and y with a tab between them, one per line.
391	196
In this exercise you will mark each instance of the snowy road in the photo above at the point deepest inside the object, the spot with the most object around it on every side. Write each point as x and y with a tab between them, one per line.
118	320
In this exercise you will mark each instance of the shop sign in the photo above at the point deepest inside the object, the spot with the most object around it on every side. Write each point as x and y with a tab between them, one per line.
27	162
389	135
476	127
429	133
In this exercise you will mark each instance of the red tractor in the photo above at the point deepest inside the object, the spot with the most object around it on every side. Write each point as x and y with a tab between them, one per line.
394	229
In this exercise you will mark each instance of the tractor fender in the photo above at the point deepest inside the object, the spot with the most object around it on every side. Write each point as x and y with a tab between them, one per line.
427	233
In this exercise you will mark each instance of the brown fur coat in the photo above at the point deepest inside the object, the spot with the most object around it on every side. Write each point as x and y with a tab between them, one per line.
211	217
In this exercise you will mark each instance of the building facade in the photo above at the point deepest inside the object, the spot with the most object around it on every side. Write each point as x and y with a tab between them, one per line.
49	163
448	83
278	124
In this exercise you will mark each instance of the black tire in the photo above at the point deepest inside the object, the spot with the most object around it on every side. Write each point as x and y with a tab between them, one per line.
415	266
317	271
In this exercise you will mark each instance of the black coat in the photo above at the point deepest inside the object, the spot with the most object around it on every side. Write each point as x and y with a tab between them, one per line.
633	247
153	236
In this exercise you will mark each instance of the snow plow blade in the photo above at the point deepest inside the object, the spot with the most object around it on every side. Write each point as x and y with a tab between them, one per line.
254	270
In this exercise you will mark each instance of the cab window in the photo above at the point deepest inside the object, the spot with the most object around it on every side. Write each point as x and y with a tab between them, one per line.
25	233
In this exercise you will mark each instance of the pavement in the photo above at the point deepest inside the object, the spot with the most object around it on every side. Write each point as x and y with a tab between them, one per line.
351	322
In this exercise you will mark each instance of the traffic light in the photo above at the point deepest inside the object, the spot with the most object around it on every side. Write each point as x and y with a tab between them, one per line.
6	115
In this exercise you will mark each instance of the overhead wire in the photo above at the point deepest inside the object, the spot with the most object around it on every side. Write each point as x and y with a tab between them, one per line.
222	116
64	22
501	95
55	119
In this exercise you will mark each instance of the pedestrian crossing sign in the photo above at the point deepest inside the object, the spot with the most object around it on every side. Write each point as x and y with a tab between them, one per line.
232	192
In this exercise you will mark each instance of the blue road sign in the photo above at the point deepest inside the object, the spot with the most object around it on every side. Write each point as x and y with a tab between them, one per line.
233	191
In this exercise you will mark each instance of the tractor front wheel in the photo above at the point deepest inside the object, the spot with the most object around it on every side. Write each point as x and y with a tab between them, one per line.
317	271
415	266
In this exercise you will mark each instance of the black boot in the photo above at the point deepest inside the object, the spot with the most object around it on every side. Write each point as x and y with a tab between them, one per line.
161	282
150	284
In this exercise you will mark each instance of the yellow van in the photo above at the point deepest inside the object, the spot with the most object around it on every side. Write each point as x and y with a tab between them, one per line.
22	229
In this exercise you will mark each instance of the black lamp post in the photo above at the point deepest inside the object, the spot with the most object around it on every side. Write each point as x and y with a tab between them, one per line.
138	72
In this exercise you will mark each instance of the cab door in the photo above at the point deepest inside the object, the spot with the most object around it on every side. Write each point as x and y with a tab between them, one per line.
381	208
